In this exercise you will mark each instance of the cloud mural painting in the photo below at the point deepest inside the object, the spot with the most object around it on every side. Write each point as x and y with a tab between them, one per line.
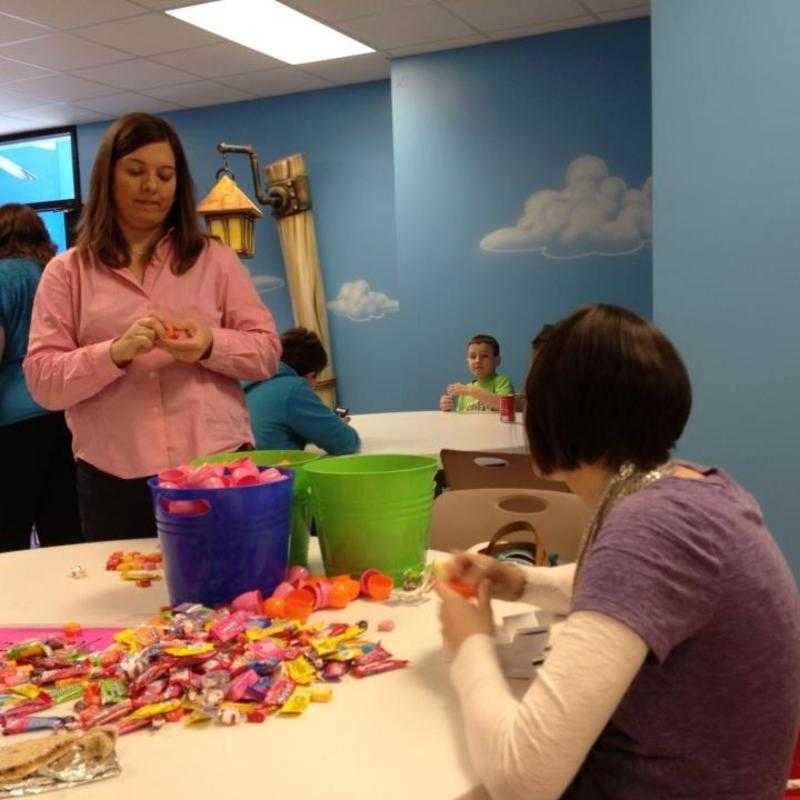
267	283
357	301
594	213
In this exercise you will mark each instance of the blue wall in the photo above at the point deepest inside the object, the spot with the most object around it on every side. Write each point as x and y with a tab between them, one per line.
726	280
347	138
476	132
471	135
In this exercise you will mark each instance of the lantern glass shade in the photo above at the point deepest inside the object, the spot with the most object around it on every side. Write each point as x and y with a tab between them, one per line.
236	230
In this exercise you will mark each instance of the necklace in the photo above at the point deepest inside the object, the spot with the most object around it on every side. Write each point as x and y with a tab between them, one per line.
627	480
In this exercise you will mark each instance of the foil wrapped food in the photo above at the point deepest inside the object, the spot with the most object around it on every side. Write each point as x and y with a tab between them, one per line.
56	762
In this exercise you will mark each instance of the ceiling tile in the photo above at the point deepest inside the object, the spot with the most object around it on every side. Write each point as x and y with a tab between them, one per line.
57	114
126	102
148	34
11	100
199	93
16	71
610	5
63	14
11	125
548	27
164	4
223	58
430	47
338	10
499	14
406	26
137	74
275	81
62	51
15	30
355	69
60	87
626	13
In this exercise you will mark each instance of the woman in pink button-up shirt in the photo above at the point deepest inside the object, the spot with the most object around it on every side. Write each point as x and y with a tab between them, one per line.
143	331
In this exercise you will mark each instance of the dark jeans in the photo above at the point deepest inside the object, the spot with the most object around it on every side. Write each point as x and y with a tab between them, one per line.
112	507
38	485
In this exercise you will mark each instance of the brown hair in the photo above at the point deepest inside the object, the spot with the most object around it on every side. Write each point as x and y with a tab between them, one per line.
98	231
303	351
605	386
24	235
484	338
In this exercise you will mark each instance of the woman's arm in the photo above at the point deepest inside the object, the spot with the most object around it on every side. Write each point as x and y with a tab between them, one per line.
534	748
58	372
550	588
246	346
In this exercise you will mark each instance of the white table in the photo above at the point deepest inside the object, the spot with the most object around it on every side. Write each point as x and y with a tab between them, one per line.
428	432
393	736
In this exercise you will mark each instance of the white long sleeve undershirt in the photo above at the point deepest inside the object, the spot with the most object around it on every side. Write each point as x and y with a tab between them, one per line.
533	748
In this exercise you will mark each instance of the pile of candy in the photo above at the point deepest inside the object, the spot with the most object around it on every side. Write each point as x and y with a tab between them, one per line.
143	568
191	663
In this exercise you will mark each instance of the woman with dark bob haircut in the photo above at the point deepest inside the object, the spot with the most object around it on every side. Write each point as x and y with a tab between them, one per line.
143	331
40	489
676	673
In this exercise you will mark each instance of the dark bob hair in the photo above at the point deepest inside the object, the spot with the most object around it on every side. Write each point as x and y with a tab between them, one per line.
303	351
24	235
605	387
98	231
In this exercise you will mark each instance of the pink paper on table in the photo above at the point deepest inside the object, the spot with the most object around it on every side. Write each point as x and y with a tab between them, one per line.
92	638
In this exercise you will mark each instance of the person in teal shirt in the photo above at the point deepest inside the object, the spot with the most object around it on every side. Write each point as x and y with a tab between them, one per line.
285	414
38	488
483	392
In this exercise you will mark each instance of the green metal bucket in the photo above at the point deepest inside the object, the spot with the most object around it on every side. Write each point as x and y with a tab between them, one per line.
372	512
295	460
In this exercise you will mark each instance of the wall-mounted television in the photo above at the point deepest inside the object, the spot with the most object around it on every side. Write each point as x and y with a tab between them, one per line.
40	169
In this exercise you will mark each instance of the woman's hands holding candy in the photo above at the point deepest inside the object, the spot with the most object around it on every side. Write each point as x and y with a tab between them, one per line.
461	618
140	337
187	340
505	581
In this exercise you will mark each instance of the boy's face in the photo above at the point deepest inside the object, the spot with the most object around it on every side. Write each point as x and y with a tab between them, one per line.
481	360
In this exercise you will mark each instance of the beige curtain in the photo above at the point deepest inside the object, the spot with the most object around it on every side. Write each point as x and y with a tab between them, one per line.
299	245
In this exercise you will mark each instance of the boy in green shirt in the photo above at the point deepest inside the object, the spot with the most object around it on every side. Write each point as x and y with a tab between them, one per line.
483	392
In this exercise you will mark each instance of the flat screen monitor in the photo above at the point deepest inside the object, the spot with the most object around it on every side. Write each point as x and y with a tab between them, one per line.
40	168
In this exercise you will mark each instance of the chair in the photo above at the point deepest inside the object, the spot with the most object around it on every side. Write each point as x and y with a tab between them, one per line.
462	518
475	469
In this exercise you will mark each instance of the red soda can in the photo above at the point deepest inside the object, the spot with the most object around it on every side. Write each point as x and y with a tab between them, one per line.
507	408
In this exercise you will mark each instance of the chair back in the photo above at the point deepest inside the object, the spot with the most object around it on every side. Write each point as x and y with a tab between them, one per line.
463	518
475	469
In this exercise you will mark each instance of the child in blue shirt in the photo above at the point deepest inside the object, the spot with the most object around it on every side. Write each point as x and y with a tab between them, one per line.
285	414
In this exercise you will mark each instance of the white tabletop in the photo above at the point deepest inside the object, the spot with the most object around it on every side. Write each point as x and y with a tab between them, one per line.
392	736
428	432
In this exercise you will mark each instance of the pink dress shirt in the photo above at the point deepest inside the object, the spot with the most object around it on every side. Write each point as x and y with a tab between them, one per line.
156	412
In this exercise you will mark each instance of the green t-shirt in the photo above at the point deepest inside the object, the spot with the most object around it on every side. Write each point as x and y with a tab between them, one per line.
497	384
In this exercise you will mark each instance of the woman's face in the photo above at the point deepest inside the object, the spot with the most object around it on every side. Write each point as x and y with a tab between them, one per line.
144	187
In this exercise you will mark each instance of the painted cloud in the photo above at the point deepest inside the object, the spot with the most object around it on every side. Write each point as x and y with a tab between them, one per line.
595	213
358	302
267	283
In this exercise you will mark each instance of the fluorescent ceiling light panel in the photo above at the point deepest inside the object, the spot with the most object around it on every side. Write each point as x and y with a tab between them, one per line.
271	28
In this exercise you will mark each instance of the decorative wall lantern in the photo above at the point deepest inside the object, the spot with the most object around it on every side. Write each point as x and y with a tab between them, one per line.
230	214
289	197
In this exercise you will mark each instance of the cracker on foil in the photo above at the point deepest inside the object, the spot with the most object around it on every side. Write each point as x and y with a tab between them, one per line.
59	761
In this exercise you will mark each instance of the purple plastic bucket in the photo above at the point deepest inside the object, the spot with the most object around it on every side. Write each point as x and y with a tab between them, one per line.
240	542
